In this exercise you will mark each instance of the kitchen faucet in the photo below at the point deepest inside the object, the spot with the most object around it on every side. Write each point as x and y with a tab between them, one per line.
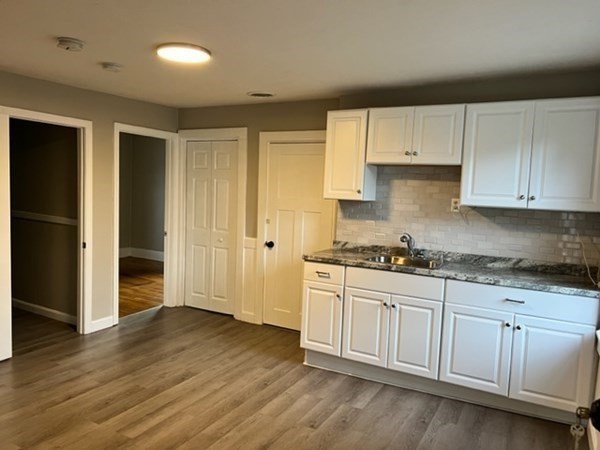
410	243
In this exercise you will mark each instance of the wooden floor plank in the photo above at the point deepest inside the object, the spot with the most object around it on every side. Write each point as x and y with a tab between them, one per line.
184	378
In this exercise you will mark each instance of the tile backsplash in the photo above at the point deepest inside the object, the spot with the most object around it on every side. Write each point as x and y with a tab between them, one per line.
417	200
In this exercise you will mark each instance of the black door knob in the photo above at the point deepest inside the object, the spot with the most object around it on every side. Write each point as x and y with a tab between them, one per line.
269	244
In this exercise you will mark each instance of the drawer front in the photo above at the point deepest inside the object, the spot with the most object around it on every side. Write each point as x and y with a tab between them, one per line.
395	283
524	301
325	273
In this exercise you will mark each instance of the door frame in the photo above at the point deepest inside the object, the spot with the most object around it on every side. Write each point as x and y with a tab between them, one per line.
174	199
85	219
266	139
220	134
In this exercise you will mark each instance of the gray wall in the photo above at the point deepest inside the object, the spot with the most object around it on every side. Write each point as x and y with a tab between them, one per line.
142	192
289	116
103	111
44	181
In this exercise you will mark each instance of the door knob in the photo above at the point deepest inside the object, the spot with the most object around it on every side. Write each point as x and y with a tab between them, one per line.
269	244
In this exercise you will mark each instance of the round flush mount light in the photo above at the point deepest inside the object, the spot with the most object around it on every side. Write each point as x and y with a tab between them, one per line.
183	53
69	44
260	94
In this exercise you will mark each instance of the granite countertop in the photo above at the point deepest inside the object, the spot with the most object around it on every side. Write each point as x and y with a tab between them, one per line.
567	279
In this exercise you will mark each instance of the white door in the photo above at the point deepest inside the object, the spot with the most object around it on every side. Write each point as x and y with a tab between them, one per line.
496	154
298	221
390	136
322	318
211	225
476	348
438	134
565	165
552	363
365	326
347	176
415	327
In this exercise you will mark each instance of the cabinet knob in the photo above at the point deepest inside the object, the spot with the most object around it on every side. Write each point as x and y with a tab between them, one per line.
358	191
518	327
521	197
532	197
394	305
386	304
407	153
415	153
507	325
339	297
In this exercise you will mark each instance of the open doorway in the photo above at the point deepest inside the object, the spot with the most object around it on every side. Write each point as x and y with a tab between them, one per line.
141	222
45	221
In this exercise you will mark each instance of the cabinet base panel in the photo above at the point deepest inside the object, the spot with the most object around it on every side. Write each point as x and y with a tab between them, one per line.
440	388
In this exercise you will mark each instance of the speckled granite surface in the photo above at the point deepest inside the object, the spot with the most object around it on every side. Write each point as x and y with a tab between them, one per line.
512	272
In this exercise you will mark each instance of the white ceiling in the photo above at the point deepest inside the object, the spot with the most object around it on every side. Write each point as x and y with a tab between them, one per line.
297	49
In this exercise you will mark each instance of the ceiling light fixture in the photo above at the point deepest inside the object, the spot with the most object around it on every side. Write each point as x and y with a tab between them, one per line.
183	53
69	44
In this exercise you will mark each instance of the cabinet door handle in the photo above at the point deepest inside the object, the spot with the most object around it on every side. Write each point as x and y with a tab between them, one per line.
507	325
415	153
512	300
394	305
339	297
407	153
323	274
518	328
532	198
521	197
358	191
386	304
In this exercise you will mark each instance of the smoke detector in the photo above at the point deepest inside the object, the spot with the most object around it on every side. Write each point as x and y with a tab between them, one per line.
69	44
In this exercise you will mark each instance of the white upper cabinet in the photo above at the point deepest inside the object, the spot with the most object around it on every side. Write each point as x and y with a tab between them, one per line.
416	135
497	151
565	162
534	154
347	176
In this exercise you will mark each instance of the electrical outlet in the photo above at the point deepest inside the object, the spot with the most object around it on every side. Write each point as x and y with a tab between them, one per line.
455	205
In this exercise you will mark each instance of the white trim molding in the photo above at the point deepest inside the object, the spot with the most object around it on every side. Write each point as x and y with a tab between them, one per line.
245	308
85	182
45	312
223	134
153	255
174	192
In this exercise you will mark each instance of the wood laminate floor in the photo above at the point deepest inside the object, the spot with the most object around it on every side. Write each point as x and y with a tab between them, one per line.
185	378
140	285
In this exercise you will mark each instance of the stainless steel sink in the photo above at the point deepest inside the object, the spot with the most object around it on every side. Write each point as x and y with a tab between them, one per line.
405	261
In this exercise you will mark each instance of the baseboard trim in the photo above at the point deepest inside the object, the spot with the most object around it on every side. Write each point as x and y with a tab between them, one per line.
434	387
46	312
153	255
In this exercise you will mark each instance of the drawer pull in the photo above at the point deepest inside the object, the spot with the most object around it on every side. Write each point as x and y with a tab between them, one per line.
512	300
323	274
339	297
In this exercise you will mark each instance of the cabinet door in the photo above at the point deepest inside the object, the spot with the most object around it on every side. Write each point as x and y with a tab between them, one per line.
390	135
552	363
365	335
321	317
346	174
476	348
565	165
415	327
438	134
496	157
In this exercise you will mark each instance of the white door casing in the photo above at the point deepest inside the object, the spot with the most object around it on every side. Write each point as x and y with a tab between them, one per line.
211	235
293	215
85	323
173	278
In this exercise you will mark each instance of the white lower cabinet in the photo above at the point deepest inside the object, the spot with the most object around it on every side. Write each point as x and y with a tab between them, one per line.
322	308
385	329
509	352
